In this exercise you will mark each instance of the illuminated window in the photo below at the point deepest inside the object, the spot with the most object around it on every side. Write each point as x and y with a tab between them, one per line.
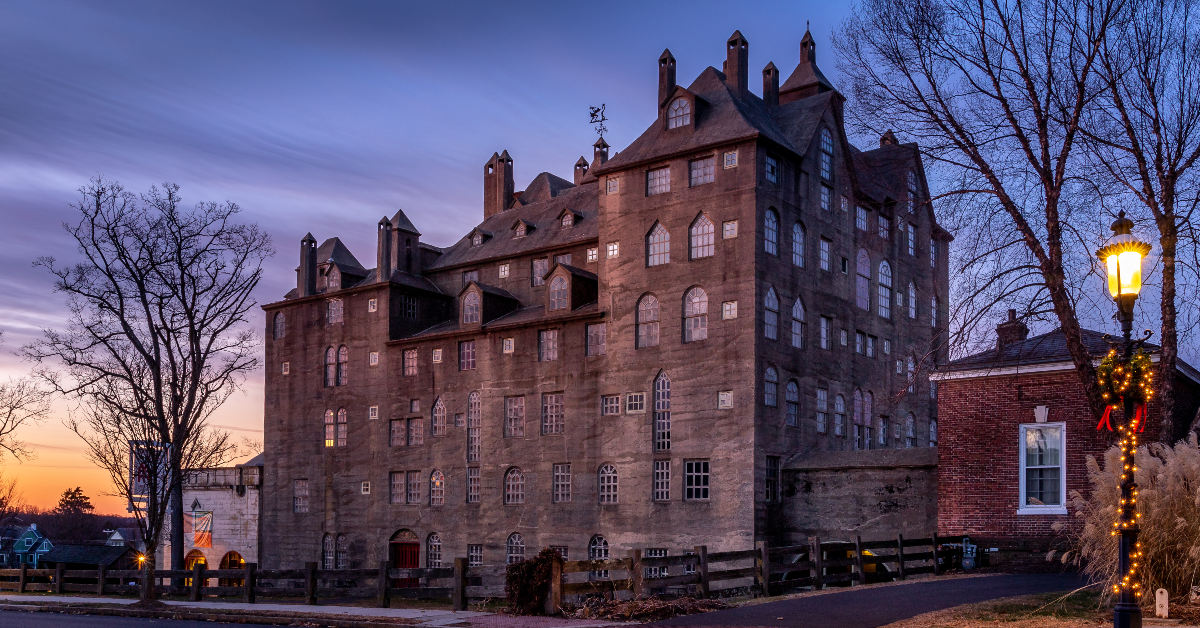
437	488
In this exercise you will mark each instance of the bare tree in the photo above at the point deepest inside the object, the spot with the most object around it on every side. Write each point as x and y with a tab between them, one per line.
1143	134
995	91
11	500
156	340
22	402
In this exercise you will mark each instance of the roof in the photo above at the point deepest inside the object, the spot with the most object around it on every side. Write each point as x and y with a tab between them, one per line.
519	316
806	73
401	222
544	187
1047	348
256	461
333	250
492	290
574	270
86	554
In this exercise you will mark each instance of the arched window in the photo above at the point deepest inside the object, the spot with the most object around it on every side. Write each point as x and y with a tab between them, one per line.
471	308
433	551
647	322
330	367
863	280
868	408
910	431
826	154
280	326
598	550
342	559
933	312
439	418
858	407
558	294
679	113
695	315
911	369
703	237
327	552
662	413
933	432
912	300
839	415
342	364
658	246
474	427
514	486
341	427
607	477
885	289
799	327
792	396
330	429
514	549
437	488
771	232
798	245
770	387
771	317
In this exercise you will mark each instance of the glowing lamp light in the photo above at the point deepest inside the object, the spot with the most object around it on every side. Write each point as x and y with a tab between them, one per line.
1122	256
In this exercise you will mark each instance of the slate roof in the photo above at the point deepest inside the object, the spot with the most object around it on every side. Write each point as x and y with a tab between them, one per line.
86	554
806	73
333	249
401	222
1043	349
518	316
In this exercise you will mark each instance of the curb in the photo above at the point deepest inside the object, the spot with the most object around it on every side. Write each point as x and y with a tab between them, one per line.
270	620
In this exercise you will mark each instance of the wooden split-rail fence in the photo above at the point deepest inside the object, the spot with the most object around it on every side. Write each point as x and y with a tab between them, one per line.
763	570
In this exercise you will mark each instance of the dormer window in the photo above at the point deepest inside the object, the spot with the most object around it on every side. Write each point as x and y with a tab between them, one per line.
558	294
471	308
568	219
520	233
476	239
679	113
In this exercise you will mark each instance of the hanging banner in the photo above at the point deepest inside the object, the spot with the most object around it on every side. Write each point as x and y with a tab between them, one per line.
144	457
197	527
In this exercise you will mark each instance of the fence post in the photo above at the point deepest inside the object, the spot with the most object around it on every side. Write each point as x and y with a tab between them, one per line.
58	578
248	595
310	584
764	568
636	573
937	567
383	584
858	561
23	578
702	568
100	575
814	551
197	569
458	598
554	600
900	554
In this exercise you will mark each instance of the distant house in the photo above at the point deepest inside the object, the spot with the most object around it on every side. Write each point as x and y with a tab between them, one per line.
128	537
91	556
28	546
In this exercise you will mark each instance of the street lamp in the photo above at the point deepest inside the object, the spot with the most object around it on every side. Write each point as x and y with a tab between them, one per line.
1122	257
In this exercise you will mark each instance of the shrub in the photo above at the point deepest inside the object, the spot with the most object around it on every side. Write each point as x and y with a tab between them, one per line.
527	583
1169	500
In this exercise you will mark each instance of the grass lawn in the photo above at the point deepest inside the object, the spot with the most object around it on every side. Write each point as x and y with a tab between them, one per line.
1044	610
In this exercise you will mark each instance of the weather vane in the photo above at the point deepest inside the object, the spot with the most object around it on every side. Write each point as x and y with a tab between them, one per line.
598	119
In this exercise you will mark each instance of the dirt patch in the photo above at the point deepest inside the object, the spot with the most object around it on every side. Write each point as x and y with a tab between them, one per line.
640	609
1078	610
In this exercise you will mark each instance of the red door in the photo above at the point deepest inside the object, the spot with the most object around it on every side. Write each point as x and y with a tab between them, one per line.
406	556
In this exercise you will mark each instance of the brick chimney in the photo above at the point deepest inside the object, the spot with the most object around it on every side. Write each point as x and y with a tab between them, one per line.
383	253
1010	331
497	184
306	275
888	139
666	77
581	168
737	63
771	85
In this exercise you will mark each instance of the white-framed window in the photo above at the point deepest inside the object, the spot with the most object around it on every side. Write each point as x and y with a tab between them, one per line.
792	399
612	250
373	358
771	315
612	185
514	549
610	405
365	489
658	246
662	480
300	496
635	403
870	346
658	181
593	254
414	405
701	171
279	328
568	220
826	154
860	341
437	488
474	555
839	416
553	413
729	229
473	485
679	113
724	399
887	347
433	551
547	345
822	410
826	198
558	293
662	413
439	418
437	356
799	327
703	237
728	310
477	239
540	266
509	345
825	254
598	550
647	322
771	232
287	368
514	416
1043	468
412	493
372	305
409	358
333	311
562	483
772	169
607	478
373	413
798	245
912	301
502	271
731	159
471	308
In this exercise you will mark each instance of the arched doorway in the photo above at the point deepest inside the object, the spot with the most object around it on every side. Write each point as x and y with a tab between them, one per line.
404	548
232	560
193	558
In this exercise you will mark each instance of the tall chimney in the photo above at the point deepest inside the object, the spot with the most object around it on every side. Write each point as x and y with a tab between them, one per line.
1010	331
383	253
666	77
497	184
306	277
737	63
581	168
771	85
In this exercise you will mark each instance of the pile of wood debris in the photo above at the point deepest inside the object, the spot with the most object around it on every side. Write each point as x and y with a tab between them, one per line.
641	608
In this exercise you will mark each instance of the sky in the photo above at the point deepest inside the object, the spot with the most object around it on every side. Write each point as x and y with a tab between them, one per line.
320	117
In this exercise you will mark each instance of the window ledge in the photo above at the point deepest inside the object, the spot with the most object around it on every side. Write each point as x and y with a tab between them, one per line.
1042	510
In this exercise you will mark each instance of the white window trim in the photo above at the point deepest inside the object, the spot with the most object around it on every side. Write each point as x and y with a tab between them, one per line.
1061	509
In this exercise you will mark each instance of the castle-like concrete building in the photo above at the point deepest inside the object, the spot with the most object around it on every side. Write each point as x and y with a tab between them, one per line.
625	360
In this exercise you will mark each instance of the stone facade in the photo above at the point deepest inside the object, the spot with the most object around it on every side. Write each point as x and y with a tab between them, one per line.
228	502
513	385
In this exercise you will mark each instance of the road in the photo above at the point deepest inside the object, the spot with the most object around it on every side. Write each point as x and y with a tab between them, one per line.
871	607
15	619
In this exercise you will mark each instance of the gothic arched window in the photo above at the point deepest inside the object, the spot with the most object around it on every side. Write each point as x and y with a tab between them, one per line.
471	308
658	246
771	387
607	478
695	315
799	327
343	363
771	315
558	294
703	235
514	486
437	488
885	289
280	326
647	322
771	232
330	367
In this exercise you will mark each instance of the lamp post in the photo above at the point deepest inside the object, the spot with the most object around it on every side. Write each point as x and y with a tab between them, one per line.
1122	256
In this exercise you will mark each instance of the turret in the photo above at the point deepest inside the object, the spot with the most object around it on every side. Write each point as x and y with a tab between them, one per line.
306	275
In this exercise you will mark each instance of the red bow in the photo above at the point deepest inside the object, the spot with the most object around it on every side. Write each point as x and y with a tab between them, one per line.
1139	418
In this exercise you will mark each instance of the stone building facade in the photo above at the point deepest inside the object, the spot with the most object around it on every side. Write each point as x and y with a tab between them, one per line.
624	360
222	517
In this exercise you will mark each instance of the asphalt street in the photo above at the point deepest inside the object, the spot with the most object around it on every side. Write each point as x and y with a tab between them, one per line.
871	607
15	619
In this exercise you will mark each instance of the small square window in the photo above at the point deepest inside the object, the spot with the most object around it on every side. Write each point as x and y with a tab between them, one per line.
614	249
373	413
729	310
437	356
366	488
635	402
509	345
372	305
731	159
610	405
612	185
503	271
729	229
725	399
374	358
593	254
414	405
287	368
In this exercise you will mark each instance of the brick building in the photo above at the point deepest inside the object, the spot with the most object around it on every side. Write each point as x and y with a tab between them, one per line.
1016	431
622	360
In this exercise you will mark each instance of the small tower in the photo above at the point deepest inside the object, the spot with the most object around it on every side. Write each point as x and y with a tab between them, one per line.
497	184
888	139
306	275
406	244
737	63
383	252
666	77
600	154
771	85
806	80
581	168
